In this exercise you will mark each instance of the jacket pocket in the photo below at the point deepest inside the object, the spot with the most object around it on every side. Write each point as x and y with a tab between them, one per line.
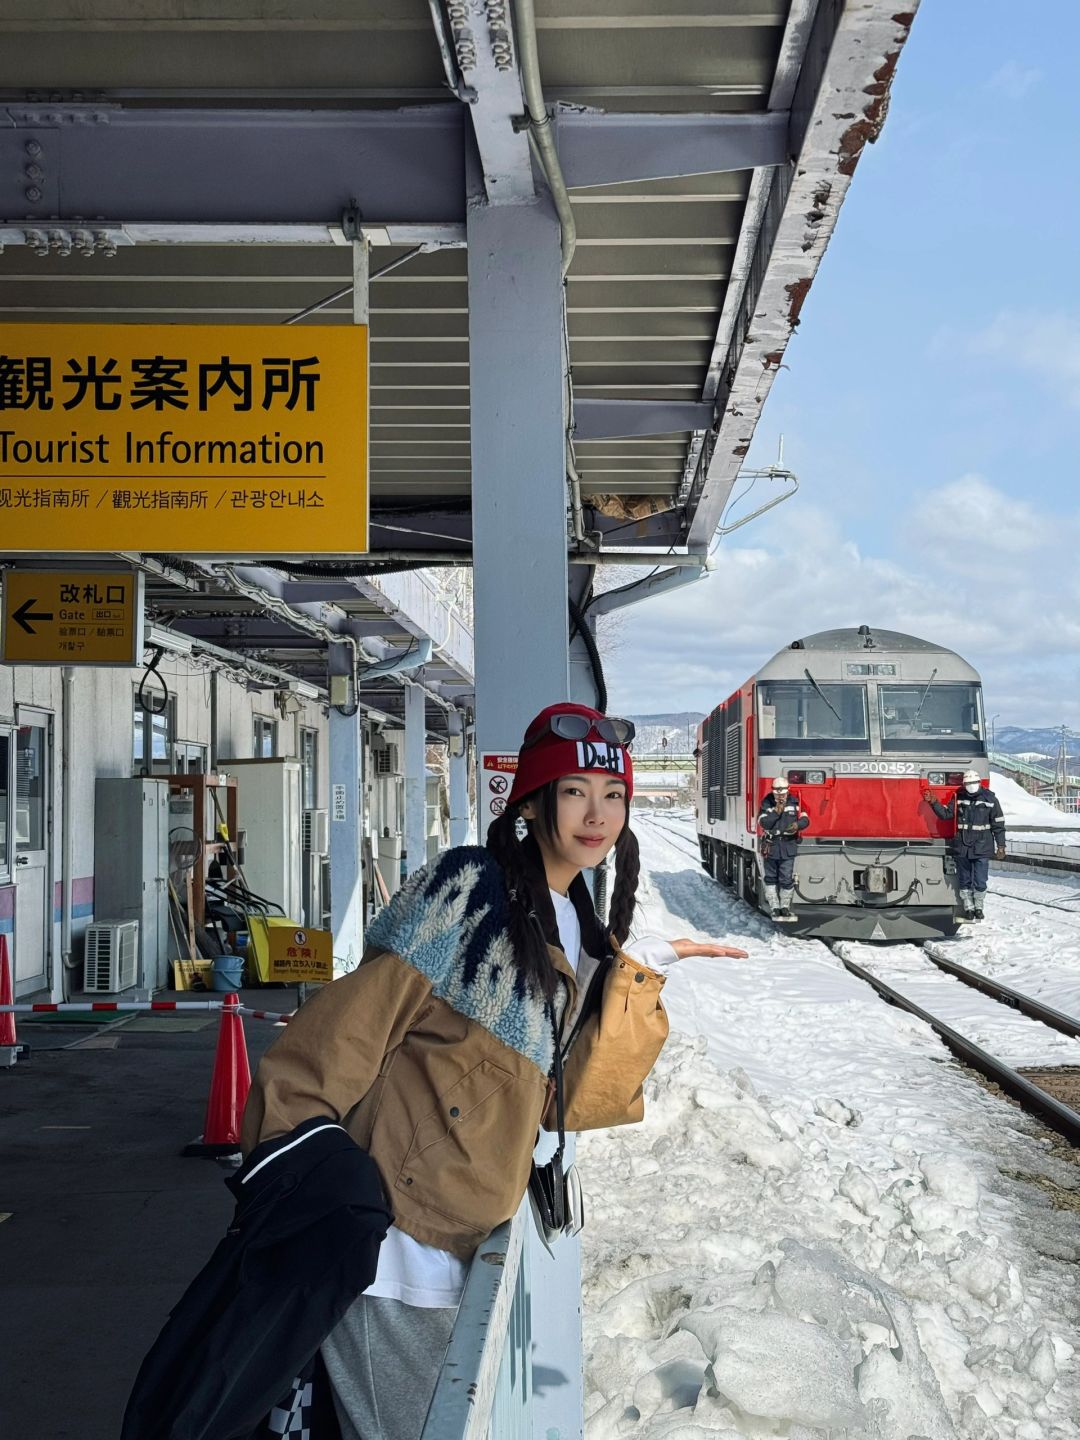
463	1153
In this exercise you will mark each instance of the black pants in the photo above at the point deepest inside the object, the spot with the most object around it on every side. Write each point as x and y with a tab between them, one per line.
780	871
972	872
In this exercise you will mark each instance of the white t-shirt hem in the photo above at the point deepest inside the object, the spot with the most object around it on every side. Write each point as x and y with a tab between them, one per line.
419	1297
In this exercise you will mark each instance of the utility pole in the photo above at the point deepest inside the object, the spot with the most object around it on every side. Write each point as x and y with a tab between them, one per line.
1062	772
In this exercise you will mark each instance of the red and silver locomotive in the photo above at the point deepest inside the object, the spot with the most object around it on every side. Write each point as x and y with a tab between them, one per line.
860	722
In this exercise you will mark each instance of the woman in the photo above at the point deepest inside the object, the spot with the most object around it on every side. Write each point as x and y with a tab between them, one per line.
437	1052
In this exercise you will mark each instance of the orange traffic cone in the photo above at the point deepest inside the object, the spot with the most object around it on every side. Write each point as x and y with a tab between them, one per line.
7	1022
229	1086
10	1049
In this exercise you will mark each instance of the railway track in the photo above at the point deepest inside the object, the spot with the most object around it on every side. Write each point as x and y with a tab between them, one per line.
680	836
1030	1097
1042	904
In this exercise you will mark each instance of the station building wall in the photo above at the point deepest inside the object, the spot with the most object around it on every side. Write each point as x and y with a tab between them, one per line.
104	725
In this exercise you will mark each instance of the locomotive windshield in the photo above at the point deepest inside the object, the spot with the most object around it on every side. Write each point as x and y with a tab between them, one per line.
809	715
931	717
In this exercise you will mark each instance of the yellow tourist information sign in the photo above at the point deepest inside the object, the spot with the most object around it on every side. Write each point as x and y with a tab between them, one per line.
198	438
58	617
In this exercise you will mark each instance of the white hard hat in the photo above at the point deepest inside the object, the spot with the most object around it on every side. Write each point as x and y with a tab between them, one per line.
972	777
780	783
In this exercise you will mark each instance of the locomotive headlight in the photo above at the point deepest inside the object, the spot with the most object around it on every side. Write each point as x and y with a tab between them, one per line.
815	777
936	777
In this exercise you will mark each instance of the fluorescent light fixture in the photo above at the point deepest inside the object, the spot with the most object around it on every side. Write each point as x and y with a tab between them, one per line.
304	689
157	637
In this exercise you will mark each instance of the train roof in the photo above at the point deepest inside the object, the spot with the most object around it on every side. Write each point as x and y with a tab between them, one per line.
865	641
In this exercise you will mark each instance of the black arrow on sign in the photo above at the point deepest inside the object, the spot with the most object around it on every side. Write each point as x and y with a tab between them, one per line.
23	615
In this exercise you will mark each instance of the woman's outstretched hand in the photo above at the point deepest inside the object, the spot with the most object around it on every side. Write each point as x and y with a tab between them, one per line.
684	949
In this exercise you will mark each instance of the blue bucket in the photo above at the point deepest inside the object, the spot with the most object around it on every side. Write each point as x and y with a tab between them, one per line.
228	972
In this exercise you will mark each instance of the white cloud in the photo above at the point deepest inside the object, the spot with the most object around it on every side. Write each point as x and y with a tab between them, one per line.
1011	607
1014	80
1045	342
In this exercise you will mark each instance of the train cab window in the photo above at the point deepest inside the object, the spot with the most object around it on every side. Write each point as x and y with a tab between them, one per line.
925	717
796	716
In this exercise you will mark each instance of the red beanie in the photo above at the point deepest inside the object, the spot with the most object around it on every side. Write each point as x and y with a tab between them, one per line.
552	757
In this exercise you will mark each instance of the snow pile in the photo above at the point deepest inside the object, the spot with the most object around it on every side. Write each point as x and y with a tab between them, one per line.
824	1227
765	1285
1028	810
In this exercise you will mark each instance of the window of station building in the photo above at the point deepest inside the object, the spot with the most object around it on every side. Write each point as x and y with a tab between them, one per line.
797	717
309	767
926	717
263	737
189	758
7	818
152	739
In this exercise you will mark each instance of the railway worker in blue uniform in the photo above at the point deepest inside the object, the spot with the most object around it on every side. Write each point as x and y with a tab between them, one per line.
781	821
980	837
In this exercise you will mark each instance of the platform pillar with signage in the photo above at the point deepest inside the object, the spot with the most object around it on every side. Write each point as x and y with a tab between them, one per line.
346	821
519	513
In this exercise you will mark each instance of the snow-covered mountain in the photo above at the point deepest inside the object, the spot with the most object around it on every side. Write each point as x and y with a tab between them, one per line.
679	728
1043	741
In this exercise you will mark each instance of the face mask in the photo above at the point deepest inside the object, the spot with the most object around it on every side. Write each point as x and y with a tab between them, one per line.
972	789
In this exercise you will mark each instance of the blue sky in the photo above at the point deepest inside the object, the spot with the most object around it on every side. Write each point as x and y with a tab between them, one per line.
931	407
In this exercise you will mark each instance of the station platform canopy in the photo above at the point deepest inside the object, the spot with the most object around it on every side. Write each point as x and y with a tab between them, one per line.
169	163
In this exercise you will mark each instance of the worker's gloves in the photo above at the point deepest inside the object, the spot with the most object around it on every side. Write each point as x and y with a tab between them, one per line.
999	853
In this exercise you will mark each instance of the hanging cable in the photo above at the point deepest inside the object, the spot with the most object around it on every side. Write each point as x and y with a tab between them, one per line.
595	663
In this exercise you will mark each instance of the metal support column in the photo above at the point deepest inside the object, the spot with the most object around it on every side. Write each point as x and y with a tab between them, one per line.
346	746
520	613
518	468
415	779
346	823
459	779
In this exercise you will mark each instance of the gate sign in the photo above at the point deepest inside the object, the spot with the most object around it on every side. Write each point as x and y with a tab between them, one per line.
202	438
72	617
497	773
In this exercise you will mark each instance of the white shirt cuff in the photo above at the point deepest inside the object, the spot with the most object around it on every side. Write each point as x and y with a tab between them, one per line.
653	951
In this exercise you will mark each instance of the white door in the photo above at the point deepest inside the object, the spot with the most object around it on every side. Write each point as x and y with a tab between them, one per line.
33	846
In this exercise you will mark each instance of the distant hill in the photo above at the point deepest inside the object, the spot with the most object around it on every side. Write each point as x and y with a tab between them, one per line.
1044	741
678	727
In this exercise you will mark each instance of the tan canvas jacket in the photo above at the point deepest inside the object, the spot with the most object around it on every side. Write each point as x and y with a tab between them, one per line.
439	1067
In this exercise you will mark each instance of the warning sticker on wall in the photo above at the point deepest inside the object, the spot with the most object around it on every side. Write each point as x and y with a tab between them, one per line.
497	773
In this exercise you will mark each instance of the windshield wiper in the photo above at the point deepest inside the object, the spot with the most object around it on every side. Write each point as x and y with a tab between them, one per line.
824	697
922	702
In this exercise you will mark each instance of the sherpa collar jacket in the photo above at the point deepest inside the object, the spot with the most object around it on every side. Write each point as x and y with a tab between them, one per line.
438	1063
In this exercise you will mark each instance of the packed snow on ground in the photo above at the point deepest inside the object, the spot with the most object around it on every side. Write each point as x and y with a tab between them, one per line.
824	1229
1028	810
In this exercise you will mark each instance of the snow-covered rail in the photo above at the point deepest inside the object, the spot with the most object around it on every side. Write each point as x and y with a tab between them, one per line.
1030	1097
1015	999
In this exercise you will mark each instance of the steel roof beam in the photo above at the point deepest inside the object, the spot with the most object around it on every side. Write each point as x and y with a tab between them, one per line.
220	166
599	147
613	419
482	37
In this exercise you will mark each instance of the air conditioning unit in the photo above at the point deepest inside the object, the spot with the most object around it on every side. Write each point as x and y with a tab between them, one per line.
385	759
314	832
112	956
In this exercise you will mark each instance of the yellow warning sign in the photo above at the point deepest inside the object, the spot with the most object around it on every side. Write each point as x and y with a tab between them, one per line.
204	438
72	617
297	954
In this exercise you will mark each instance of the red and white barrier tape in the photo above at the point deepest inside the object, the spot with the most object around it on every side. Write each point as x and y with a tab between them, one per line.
68	1007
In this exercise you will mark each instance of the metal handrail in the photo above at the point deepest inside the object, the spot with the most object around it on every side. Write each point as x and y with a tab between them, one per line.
485	1388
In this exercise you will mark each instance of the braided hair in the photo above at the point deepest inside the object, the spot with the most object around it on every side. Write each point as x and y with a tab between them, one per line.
531	914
